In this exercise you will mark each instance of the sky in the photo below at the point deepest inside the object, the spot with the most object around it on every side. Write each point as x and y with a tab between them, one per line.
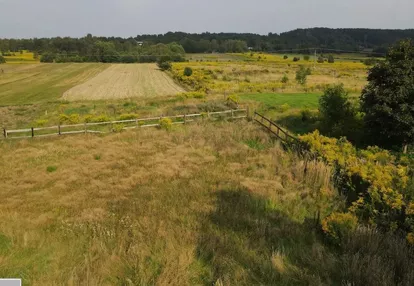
125	18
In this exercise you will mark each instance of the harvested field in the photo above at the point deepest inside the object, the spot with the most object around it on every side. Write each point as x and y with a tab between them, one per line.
125	81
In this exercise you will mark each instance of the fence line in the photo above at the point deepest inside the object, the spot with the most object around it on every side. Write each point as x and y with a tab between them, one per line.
233	114
293	142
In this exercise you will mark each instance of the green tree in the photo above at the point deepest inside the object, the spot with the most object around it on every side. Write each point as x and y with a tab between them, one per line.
47	58
337	113
388	99
306	57
331	59
188	71
321	60
2	60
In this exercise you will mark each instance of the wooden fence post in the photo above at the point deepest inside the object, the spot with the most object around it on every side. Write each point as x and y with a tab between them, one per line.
232	114
5	132
185	118
32	132
85	127
136	122
59	132
248	112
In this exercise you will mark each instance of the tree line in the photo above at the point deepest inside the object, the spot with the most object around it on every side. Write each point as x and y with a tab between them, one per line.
373	40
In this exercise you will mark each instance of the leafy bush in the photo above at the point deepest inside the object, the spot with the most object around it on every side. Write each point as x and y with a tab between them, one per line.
166	123
302	74
47	58
41	122
118	128
51	169
283	108
2	60
320	60
188	71
296	59
331	59
306	57
128	116
339	225
164	65
285	79
285	57
373	181
234	98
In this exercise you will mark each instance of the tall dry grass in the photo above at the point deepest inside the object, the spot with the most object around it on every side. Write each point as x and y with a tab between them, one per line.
209	203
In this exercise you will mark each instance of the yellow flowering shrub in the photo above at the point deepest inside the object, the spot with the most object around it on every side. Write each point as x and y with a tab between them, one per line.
338	225
372	179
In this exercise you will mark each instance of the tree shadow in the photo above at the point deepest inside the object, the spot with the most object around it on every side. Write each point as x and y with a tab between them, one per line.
246	241
297	124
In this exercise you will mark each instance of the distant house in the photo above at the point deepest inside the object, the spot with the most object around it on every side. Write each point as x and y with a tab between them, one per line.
139	43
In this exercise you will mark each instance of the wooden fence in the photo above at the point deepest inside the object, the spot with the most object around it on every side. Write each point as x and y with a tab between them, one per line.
293	142
99	127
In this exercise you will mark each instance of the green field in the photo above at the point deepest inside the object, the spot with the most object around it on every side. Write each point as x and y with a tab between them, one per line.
293	100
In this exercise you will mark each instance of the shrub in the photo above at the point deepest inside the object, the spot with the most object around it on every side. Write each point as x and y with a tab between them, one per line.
339	225
296	59
234	98
128	116
97	157
101	118
2	60
331	59
285	57
410	238
164	65
306	115
166	123
301	75
283	108
47	58
306	57
51	169
320	60
41	122
285	79
118	128
188	71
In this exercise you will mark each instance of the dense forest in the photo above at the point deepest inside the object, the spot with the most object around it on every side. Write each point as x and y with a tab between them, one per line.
171	46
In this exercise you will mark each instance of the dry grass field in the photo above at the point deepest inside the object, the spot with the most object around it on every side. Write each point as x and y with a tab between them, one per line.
198	205
125	81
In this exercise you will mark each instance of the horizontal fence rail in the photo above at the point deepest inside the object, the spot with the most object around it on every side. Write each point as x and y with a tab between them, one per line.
132	124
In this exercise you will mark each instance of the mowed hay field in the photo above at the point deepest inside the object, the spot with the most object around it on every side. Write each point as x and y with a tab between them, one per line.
209	203
42	83
122	81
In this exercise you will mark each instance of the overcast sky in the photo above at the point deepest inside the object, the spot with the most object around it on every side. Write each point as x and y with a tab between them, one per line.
76	18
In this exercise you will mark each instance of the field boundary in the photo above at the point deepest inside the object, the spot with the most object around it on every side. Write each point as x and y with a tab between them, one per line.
118	125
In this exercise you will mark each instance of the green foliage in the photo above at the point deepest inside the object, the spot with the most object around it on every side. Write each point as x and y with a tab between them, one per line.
285	79
283	108
306	57
166	124
388	98
188	71
339	226
373	181
69	119
164	65
302	74
51	169
2	60
234	98
118	128
47	58
296	59
321	60
337	113
331	59
128	116
285	57
97	157
41	122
